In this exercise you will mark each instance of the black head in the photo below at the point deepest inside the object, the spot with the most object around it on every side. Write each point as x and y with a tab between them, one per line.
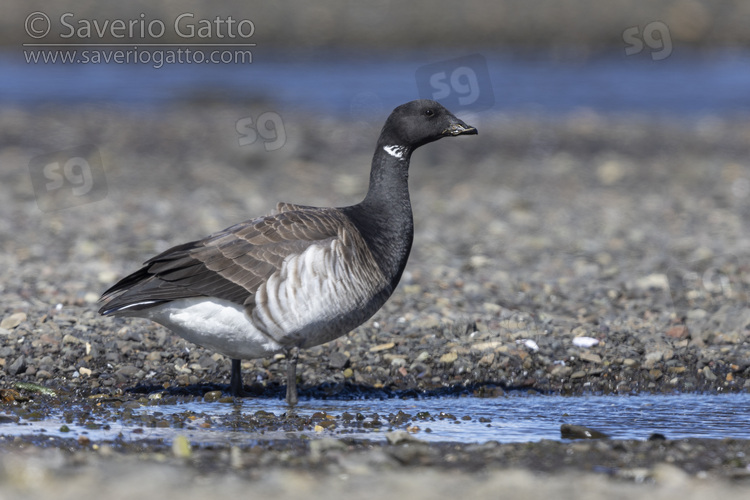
420	122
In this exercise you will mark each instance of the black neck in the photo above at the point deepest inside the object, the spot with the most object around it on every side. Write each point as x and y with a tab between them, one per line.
384	217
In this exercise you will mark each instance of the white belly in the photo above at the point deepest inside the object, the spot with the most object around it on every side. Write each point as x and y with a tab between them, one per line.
217	324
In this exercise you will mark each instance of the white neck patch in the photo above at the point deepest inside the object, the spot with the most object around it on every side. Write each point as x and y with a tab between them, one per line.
395	151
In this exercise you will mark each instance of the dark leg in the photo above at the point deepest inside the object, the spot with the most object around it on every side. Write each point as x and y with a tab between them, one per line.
235	386
291	376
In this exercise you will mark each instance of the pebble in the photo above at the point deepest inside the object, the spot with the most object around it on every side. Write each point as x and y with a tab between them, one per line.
127	371
568	431
320	447
13	320
382	347
591	357
71	339
17	366
449	357
338	360
678	332
708	374
585	341
401	437
656	280
212	396
181	447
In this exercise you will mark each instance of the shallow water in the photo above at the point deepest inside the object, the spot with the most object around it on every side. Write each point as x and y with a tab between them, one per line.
514	418
366	86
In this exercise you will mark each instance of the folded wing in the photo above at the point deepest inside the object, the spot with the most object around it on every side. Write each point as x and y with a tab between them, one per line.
229	265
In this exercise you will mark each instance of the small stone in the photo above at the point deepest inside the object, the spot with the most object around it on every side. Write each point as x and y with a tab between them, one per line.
449	357
153	356
127	371
529	344
487	359
8	419
427	323
478	261
486	346
584	341
319	447
492	308
671	476
610	172
397	361
696	314
678	332
578	374
338	360
382	347
12	321
654	356
657	280
212	396
561	371
422	357
708	374
18	366
235	457
568	431
401	437
590	357
70	339
181	447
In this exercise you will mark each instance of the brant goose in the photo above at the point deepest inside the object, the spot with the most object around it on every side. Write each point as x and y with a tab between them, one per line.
295	279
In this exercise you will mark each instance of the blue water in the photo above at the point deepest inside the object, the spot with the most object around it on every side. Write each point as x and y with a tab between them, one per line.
505	419
361	84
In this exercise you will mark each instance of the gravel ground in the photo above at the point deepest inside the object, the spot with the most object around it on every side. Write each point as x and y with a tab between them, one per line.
531	239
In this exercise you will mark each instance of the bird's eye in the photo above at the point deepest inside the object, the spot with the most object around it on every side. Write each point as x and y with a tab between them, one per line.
429	112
